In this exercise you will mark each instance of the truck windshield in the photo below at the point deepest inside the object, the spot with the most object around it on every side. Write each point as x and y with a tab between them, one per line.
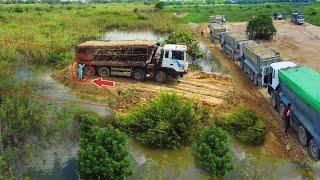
300	17
179	55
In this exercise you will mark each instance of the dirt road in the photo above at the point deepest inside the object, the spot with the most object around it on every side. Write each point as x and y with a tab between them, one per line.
246	92
209	89
300	44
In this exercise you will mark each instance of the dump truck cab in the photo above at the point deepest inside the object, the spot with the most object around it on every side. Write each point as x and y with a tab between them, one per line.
174	57
297	18
273	78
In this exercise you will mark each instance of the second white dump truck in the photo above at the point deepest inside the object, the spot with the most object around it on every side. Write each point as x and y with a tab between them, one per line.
232	44
256	60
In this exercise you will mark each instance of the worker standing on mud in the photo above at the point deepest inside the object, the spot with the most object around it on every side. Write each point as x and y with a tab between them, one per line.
80	71
286	117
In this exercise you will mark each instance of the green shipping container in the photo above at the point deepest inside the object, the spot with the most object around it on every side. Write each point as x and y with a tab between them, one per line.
305	82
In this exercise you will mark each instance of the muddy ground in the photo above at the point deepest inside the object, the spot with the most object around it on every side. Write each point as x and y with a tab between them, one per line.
208	89
299	43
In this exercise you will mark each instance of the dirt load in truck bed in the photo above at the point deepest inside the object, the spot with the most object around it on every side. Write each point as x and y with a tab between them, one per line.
117	43
262	51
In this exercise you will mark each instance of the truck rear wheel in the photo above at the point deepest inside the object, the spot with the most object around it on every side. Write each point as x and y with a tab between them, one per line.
139	75
313	149
160	76
104	72
281	108
89	70
303	136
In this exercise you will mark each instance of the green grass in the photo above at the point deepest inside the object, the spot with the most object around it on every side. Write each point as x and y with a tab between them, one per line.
64	26
238	13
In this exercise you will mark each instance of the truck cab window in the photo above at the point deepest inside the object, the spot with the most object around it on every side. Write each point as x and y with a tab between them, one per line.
166	55
179	55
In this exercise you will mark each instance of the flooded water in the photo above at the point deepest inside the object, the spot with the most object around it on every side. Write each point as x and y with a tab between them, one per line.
58	161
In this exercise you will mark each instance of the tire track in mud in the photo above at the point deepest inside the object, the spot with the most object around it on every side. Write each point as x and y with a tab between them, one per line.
246	92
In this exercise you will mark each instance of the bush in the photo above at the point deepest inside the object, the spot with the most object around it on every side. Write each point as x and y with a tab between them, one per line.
183	36
212	151
159	6
195	67
104	152
244	124
261	27
168	121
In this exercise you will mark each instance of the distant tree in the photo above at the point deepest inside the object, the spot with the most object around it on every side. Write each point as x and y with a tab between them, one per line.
261	27
159	5
212	151
104	152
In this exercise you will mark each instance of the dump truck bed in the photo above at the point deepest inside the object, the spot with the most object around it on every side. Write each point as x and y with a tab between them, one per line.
121	43
233	39
260	51
304	82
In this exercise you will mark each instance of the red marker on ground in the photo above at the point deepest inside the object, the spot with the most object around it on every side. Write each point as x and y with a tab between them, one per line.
100	82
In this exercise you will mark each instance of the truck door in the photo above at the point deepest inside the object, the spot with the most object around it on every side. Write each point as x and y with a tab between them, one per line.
266	75
166	59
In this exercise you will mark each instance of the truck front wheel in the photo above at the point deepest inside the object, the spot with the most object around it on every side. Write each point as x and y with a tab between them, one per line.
139	75
313	149
160	76
274	100
104	72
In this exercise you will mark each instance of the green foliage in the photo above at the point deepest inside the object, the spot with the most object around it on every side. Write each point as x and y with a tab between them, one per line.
168	121
184	36
159	5
261	27
195	67
212	151
104	152
244	124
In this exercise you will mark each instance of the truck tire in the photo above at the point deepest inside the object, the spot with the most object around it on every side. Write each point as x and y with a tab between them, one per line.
255	80
104	72
139	75
281	108
89	70
160	76
303	136
274	100
313	149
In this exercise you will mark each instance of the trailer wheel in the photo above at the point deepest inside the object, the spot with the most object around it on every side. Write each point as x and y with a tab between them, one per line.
313	149
89	70
104	72
274	100
139	75
303	136
160	76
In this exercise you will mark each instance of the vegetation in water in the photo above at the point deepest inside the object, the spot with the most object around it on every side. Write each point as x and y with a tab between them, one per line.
244	124
26	121
212	151
261	27
104	152
168	121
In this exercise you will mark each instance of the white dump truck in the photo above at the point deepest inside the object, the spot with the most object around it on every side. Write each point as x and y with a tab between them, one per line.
232	44
135	59
256	60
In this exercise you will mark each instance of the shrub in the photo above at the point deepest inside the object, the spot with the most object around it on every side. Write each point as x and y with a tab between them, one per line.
195	67
168	121
183	36
261	27
159	6
212	151
105	155
244	124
